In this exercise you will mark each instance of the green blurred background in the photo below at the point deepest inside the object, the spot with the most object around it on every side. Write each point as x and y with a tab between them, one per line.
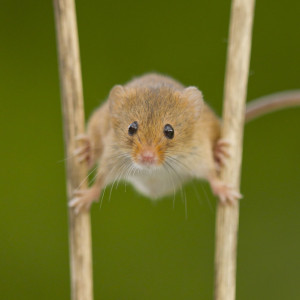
145	250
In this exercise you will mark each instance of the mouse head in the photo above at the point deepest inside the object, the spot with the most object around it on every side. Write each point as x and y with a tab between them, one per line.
154	125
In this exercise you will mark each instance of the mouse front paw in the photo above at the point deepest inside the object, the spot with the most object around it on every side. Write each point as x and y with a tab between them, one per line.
84	153
225	192
83	199
221	152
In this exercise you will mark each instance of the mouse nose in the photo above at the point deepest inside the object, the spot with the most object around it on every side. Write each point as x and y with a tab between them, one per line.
148	156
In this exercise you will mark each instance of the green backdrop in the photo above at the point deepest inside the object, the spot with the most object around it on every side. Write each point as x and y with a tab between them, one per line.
145	250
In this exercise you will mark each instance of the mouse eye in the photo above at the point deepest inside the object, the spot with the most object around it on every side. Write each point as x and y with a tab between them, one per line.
132	128
168	131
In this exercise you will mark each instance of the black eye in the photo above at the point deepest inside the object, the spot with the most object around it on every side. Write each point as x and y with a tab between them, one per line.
169	131
132	128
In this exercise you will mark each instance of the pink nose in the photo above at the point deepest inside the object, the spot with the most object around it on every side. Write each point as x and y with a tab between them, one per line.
148	156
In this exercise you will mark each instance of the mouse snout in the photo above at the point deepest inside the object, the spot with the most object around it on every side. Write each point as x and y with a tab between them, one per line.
147	156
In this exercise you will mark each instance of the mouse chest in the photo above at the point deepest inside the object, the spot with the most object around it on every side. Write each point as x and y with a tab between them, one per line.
157	183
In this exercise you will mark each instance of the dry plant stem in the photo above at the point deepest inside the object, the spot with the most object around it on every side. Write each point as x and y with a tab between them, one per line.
273	102
73	119
237	69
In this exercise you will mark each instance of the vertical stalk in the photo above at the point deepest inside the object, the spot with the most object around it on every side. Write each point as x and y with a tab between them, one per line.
236	79
73	120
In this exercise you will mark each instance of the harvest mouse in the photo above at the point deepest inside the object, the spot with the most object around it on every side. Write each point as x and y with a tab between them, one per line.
156	134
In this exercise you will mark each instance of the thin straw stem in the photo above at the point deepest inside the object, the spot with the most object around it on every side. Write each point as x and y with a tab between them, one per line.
73	120
235	91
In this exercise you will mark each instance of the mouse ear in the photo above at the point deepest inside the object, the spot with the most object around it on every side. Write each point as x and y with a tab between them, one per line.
116	93
195	97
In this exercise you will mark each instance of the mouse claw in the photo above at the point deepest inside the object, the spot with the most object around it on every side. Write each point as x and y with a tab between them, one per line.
221	153
84	153
225	192
83	199
82	137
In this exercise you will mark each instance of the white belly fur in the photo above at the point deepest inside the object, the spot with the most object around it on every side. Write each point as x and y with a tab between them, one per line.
157	183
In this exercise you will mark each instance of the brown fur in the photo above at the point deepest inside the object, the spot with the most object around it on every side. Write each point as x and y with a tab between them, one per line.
154	101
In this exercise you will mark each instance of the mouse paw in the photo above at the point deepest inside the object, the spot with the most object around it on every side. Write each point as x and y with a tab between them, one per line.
84	153
226	193
83	199
221	152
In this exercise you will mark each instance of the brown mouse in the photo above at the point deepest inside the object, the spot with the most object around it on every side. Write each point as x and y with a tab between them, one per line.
156	134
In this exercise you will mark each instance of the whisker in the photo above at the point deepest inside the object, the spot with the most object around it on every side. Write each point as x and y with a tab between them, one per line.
179	178
207	198
102	196
180	164
72	156
120	171
123	173
172	182
129	171
195	191
118	167
85	179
